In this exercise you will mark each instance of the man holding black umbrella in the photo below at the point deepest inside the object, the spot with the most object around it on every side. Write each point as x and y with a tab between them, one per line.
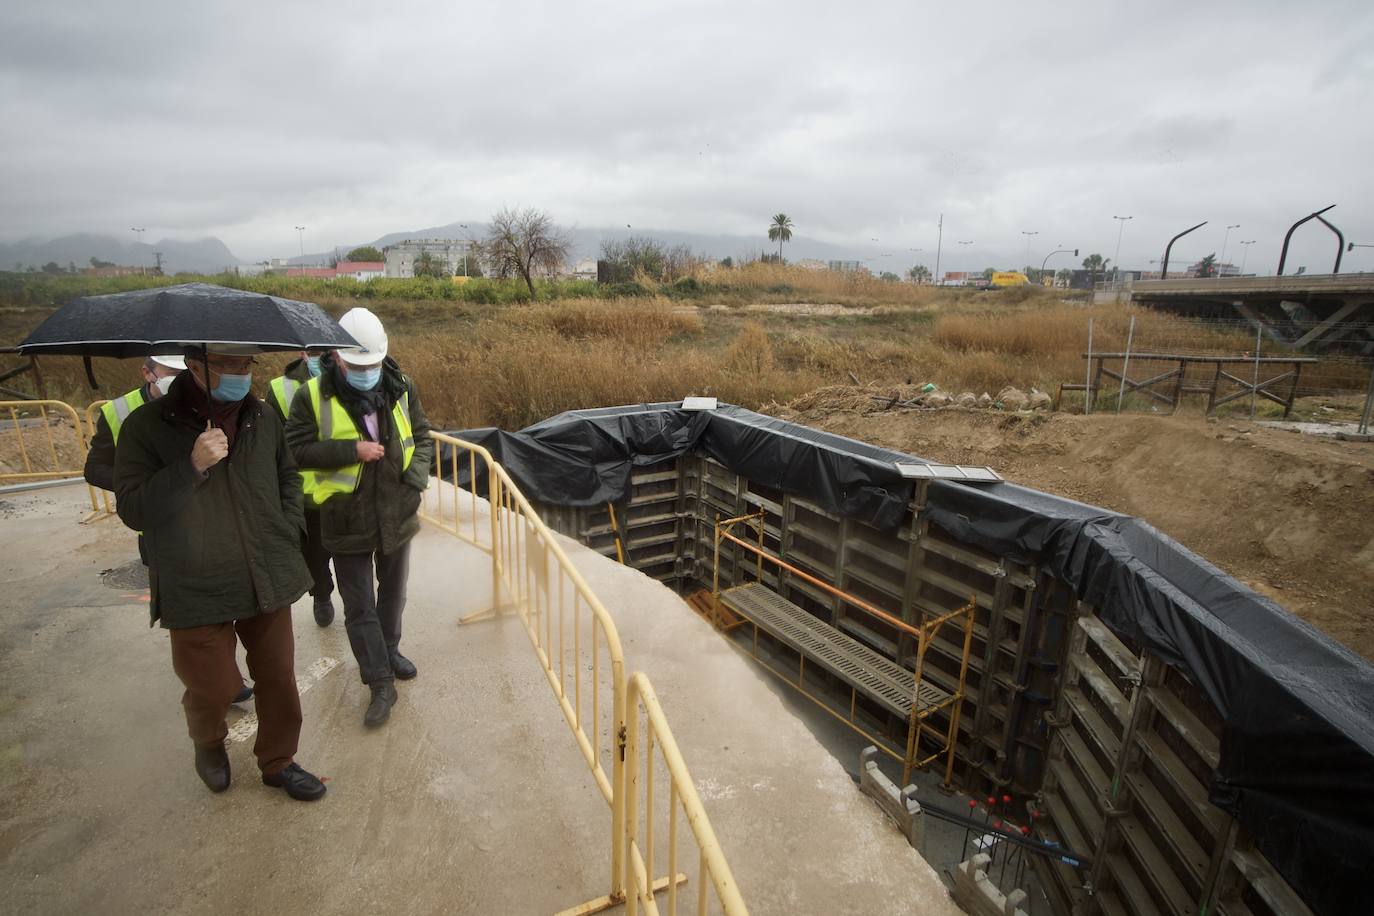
206	474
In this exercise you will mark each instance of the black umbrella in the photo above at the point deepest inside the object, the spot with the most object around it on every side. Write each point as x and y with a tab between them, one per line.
177	319
171	319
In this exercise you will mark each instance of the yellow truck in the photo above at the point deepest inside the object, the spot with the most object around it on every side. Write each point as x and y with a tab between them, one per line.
1002	278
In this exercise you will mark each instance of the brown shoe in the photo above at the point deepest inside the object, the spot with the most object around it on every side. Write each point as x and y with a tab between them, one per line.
212	766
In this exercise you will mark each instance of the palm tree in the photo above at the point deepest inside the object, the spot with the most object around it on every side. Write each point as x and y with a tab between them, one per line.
919	274
780	230
1207	266
1095	263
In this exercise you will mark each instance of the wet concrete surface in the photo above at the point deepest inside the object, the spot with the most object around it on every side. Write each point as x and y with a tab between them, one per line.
472	799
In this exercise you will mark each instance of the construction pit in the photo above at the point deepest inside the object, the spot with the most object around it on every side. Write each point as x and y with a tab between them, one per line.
1078	681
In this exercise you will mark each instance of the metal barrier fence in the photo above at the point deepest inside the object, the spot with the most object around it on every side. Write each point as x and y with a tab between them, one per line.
100	499
579	649
26	415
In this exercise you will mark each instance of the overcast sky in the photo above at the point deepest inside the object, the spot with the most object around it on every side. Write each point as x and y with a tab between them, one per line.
859	120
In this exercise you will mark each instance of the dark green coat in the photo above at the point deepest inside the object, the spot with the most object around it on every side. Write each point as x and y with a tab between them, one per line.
222	547
381	514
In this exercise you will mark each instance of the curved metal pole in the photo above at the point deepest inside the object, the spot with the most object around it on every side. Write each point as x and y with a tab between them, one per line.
1340	243
1164	268
1053	253
1283	254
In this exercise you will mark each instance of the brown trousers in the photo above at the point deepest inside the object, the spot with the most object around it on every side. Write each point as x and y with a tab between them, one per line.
203	658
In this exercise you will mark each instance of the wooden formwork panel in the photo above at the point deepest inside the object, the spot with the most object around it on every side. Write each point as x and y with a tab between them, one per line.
1132	753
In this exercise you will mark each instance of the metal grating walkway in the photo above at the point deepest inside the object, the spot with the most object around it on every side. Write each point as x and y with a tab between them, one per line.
840	654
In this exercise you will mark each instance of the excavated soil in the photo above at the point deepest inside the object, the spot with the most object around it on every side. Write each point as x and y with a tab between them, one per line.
1290	515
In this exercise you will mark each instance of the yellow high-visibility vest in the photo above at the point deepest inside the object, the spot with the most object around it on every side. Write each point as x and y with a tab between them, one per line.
284	389
333	422
118	410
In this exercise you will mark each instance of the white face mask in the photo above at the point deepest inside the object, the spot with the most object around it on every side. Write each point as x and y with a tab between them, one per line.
164	383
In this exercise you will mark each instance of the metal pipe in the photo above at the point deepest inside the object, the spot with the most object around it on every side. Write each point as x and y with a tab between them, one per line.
1126	365
1368	404
1340	243
1283	253
1164	268
1254	382
1088	374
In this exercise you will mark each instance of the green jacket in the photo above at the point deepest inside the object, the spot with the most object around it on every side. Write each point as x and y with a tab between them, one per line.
381	514
220	547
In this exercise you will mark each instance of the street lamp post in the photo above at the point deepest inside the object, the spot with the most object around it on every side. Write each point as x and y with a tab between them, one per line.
300	230
1028	241
1116	257
139	236
464	227
1246	255
939	246
1224	240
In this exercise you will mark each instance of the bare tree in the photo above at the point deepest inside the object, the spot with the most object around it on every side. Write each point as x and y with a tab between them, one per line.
522	243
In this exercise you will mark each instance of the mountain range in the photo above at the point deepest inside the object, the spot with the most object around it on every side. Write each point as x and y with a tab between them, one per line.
206	255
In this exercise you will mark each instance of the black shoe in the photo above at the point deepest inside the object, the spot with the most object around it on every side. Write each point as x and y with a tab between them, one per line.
244	695
324	611
379	710
299	784
402	667
212	766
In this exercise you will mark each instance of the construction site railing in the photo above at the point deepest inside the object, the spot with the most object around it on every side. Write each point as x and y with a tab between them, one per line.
682	794
579	649
24	417
924	634
101	507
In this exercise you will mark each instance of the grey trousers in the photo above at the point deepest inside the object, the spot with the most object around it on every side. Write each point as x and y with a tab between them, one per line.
373	607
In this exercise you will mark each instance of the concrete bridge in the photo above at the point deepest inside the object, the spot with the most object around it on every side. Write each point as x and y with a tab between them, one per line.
1306	310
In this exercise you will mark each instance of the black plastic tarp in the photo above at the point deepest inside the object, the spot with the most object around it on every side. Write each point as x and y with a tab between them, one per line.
1297	742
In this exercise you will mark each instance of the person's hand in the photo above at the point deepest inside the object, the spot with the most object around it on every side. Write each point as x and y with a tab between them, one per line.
371	451
211	448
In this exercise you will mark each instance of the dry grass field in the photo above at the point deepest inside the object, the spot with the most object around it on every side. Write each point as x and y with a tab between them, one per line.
753	336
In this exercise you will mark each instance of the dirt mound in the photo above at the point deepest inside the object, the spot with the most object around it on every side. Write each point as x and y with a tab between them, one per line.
1291	516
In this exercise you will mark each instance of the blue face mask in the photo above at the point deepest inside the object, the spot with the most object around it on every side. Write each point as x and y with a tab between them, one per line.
232	387
364	379
313	364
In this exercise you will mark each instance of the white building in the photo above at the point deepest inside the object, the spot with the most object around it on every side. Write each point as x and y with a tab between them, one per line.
400	258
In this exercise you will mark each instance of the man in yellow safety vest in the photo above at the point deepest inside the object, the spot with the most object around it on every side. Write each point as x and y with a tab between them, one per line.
280	394
362	443
158	372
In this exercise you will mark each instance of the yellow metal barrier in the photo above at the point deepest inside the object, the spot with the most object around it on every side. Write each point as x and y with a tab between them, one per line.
21	412
101	507
682	794
578	647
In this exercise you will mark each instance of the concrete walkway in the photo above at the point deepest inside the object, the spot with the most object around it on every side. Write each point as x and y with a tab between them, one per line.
473	799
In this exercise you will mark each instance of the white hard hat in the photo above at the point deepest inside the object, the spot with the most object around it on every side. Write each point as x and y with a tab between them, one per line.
367	330
171	362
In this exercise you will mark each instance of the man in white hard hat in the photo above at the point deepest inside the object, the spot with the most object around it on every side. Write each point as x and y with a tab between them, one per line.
362	442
